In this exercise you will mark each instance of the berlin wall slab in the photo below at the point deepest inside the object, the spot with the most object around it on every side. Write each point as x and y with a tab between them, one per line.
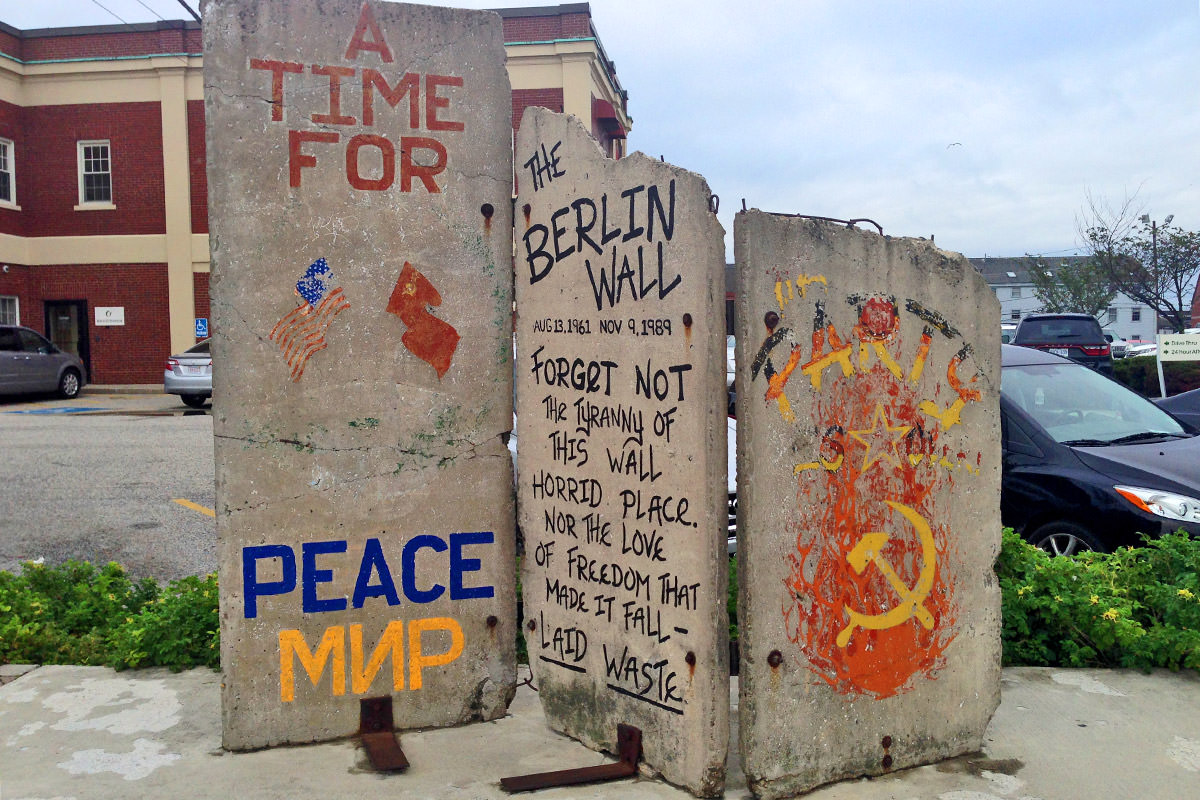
869	490
622	460
360	177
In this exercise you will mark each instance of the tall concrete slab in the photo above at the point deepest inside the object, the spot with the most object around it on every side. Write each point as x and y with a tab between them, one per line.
622	458
360	171
869	487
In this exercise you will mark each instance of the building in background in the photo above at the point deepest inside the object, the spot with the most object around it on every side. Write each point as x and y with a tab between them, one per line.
1009	279
103	189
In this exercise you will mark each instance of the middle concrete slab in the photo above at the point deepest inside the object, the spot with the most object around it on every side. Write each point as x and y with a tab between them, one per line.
622	457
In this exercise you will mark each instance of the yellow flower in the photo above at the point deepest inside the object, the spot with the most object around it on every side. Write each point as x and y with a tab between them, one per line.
1094	599
1021	592
1058	598
1185	594
1110	614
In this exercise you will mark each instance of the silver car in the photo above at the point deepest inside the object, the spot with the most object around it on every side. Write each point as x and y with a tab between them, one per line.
189	374
30	363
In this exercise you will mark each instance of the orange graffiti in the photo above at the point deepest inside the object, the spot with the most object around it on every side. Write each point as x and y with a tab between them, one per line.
867	605
428	338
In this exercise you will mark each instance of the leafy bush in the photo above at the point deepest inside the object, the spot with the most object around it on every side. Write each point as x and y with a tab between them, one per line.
1138	607
77	613
1141	375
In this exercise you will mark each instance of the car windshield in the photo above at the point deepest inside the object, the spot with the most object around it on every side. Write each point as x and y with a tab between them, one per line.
1076	405
1058	329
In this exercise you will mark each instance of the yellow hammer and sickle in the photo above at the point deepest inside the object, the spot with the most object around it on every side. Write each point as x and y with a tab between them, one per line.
870	549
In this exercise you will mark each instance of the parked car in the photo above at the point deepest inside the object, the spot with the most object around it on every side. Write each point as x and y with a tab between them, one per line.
1007	331
1116	344
1140	348
1185	406
730	363
1074	336
189	374
30	363
1089	464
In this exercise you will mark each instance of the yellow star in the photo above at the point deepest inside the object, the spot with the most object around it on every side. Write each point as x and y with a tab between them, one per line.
882	432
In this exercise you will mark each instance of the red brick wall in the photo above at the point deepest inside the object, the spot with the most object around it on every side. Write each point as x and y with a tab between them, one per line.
544	29
524	98
200	291
134	131
108	45
10	44
12	128
197	166
129	353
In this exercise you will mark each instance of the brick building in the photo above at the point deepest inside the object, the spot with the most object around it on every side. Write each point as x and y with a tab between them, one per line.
103	189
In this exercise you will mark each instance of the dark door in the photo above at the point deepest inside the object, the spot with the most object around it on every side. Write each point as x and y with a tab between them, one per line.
67	329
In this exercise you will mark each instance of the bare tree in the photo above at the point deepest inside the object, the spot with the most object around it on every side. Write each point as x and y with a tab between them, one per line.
1070	286
1151	263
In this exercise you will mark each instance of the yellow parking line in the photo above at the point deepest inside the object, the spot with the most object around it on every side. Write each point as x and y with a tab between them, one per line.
195	507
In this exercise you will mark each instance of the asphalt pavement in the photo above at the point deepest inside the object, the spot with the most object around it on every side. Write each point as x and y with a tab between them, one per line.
89	732
97	478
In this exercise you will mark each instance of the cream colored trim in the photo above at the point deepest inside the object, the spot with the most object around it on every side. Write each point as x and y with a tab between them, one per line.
178	206
95	207
132	80
200	253
48	250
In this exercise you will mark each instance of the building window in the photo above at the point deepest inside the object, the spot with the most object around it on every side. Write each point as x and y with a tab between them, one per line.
1015	314
10	312
1136	315
8	178
1016	293
1112	315
95	173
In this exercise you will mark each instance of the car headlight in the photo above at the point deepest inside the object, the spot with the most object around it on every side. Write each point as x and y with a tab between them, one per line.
1162	504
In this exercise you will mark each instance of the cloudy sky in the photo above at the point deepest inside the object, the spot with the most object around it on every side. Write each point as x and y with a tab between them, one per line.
982	123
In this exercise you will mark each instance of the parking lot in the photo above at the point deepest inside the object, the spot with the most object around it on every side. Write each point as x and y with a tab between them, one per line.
107	477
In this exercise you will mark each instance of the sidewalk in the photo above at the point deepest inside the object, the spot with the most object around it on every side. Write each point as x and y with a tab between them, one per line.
88	732
122	388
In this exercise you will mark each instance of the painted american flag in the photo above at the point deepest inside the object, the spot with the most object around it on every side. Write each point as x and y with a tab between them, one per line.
301	332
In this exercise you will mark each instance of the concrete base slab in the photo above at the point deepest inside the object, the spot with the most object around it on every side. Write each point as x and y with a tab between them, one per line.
76	732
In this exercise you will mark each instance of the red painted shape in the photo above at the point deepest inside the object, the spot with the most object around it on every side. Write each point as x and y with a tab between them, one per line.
428	338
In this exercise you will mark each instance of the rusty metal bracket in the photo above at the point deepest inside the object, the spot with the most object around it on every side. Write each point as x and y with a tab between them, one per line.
377	729
629	750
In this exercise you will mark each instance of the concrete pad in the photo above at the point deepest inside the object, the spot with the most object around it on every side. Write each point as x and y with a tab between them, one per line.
88	732
360	202
869	488
622	496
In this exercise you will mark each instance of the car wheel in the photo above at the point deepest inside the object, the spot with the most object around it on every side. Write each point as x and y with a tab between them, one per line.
1065	539
68	384
193	400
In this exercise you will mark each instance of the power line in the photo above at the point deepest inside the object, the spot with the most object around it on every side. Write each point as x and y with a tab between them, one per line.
110	11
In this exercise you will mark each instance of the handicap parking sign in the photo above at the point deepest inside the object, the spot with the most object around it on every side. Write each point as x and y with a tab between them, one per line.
201	327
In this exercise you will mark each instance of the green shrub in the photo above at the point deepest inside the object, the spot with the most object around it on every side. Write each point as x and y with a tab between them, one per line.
76	613
1141	375
1138	607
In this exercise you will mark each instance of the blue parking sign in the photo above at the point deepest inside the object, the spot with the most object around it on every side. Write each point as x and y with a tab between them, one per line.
201	327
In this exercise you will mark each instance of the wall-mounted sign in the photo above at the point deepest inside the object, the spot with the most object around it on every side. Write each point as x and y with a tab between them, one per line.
201	327
110	315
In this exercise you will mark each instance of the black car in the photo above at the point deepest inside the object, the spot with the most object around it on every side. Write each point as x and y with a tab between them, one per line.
1074	336
1089	464
1185	406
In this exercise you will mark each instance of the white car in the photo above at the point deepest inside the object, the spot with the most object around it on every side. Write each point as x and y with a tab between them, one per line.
1147	349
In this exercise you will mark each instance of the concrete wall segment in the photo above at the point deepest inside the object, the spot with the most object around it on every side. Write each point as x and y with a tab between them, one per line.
869	468
622	484
361	294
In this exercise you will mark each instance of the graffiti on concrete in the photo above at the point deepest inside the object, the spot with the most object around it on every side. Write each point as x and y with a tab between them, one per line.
866	601
428	338
301	332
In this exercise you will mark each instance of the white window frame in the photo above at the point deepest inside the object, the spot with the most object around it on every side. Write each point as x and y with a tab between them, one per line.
8	157
1016	293
1135	315
1015	314
94	205
16	306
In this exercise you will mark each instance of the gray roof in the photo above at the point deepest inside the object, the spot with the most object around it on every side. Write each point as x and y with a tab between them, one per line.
1010	270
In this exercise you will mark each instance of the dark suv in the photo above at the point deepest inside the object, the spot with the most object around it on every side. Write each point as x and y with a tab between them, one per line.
1074	336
